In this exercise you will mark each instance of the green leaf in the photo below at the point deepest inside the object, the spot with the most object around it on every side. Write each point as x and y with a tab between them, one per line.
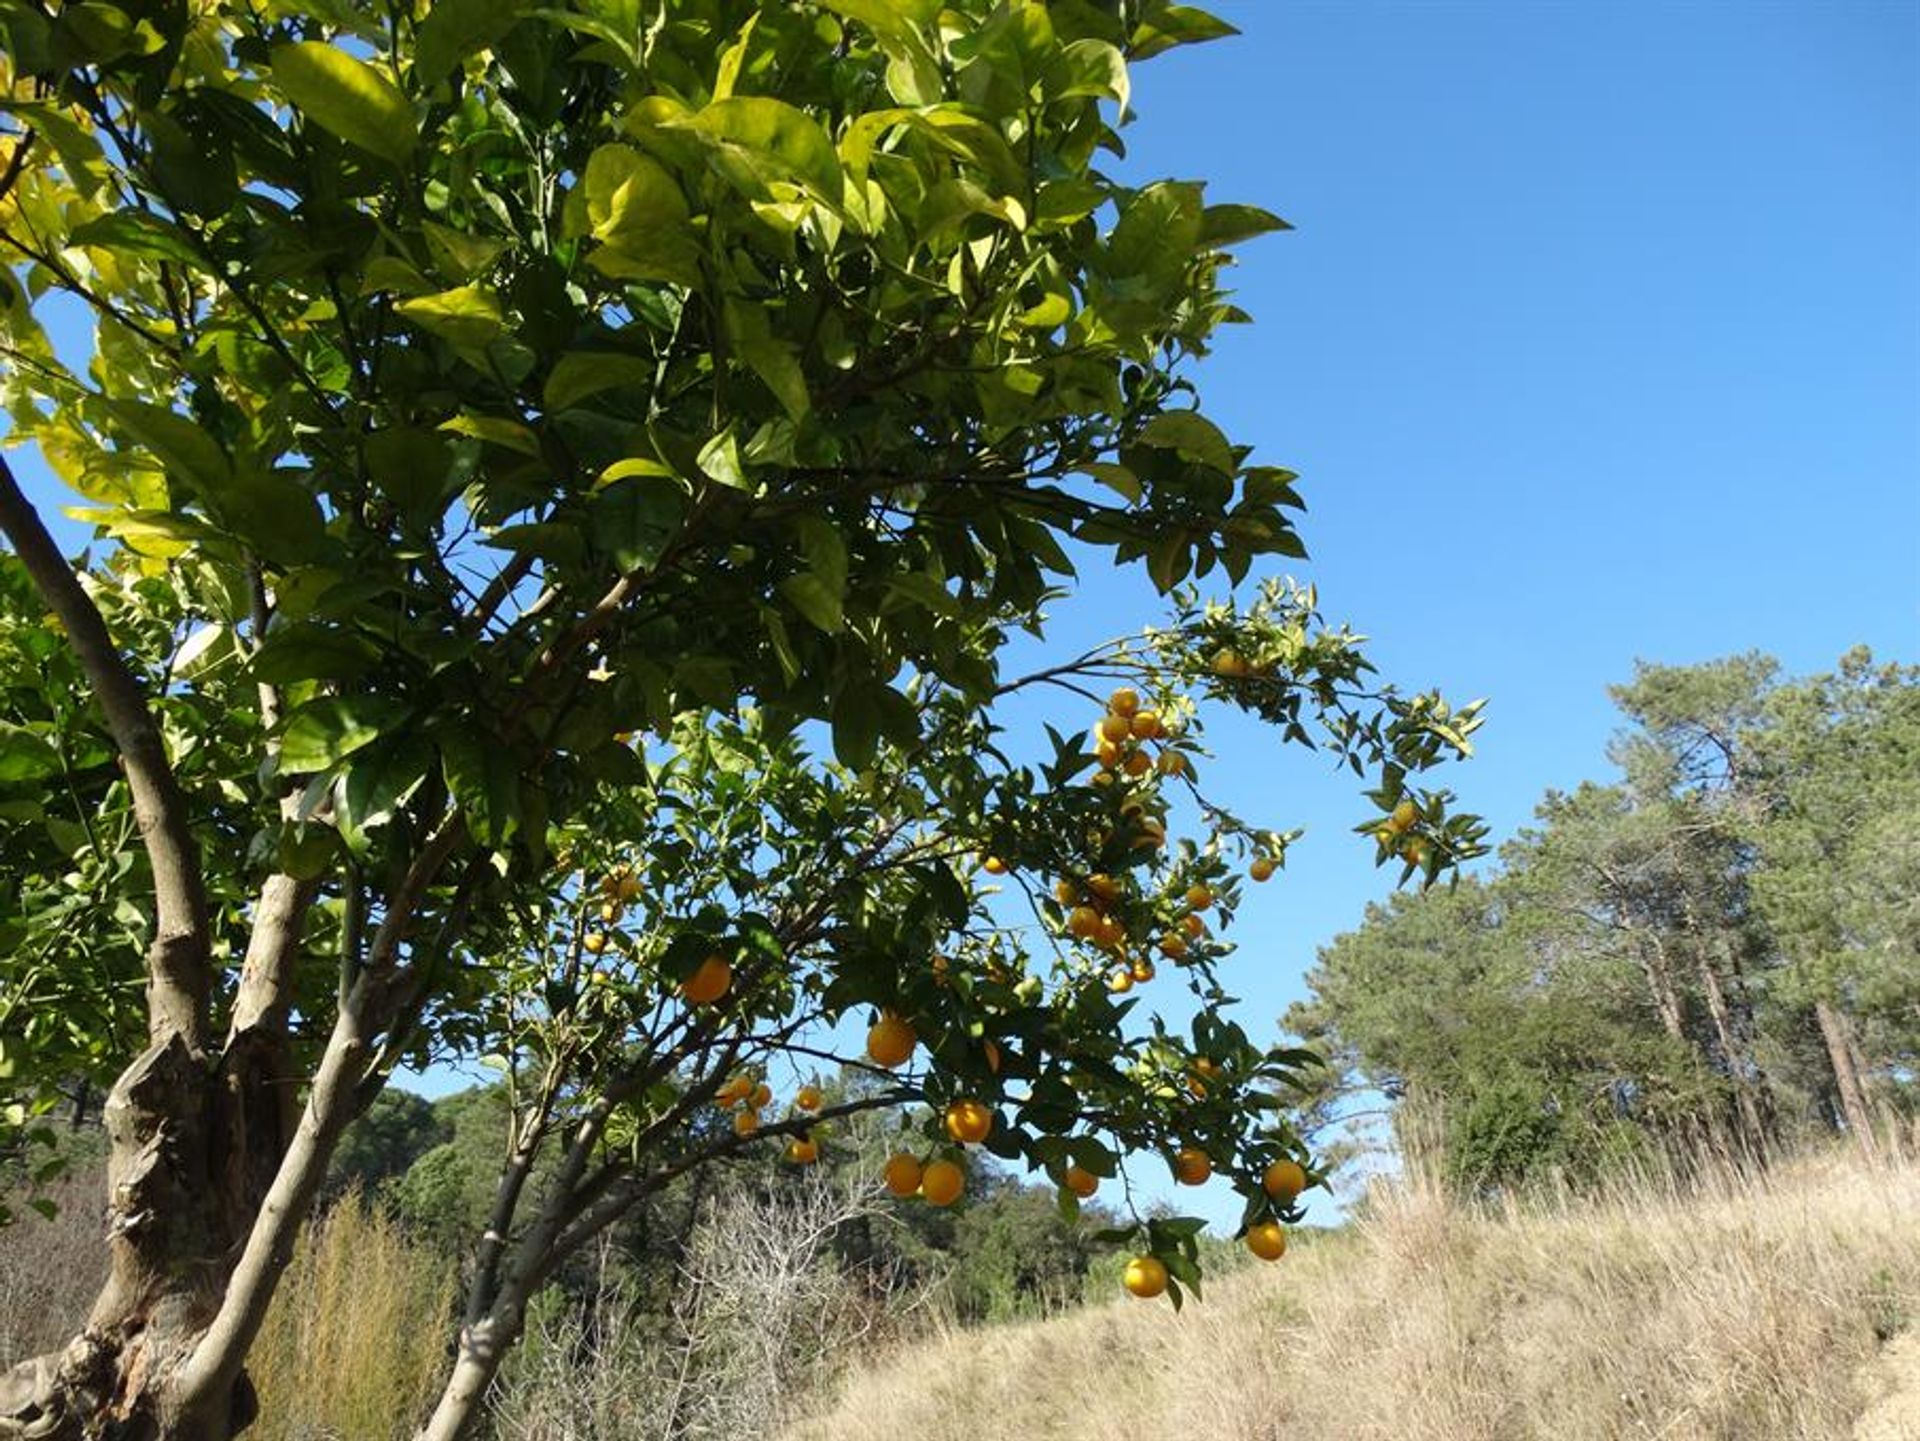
455	29
323	732
181	447
135	232
815	600
302	651
888	18
410	464
1172	25
720	459
769	140
484	779
635	520
1089	67
458	254
25	756
856	725
1115	477
1191	436
347	97
1230	224
377	784
749	329
468	316
582	373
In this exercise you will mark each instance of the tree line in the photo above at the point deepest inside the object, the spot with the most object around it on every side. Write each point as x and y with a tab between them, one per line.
1719	947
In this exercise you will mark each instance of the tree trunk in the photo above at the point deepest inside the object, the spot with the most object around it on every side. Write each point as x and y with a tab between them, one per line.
186	1147
1753	1126
1666	1000
1837	1034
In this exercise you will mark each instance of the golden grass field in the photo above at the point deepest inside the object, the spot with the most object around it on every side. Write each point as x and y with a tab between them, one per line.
1743	1308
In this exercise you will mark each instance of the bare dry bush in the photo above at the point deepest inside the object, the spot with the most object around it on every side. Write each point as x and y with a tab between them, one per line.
51	1267
763	1316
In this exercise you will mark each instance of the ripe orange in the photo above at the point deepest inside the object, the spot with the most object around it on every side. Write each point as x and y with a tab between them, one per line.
1142	970
1108	754
969	1122
593	943
1172	763
994	866
1146	1277
1261	869
891	1041
808	1098
902	1174
1284	1180
942	1182
1172	947
1192	1167
1267	1240
609	912
1112	933
1147	727
1120	982
762	1097
733	1092
803	1151
745	1123
708	983
1082	1183
1137	764
1115	728
1124	701
1229	663
1066	892
1084	922
1105	887
1199	898
1196	927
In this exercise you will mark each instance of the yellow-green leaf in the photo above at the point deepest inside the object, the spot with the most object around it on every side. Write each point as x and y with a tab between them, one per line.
469	316
495	430
348	97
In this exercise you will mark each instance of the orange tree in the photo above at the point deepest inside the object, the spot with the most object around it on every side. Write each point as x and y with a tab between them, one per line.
569	475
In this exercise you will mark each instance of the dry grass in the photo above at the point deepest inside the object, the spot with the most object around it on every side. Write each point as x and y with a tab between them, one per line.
356	1342
1724	1307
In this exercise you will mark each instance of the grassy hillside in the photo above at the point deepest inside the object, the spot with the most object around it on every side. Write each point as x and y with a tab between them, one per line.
1723	1308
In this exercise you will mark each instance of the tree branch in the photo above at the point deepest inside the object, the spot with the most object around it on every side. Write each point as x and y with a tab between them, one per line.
178	978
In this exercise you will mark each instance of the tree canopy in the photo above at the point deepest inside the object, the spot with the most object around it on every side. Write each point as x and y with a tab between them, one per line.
566	480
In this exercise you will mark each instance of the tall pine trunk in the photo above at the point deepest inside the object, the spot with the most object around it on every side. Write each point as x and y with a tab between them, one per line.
1837	1032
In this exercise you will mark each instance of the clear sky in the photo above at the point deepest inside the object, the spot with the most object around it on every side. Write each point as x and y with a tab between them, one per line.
1598	338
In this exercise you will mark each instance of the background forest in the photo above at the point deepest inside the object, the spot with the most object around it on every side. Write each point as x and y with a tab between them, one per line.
1720	948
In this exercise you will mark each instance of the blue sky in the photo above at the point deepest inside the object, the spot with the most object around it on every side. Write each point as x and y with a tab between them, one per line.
1598	338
